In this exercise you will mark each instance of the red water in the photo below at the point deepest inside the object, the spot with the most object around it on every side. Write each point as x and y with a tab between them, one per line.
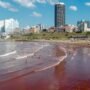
71	74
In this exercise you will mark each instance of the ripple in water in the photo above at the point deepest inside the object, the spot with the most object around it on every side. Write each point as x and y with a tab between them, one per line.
40	60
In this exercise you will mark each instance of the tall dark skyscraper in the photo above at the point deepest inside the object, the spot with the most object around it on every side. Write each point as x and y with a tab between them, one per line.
59	14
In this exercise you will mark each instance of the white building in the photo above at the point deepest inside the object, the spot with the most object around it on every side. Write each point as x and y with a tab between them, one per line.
8	25
83	26
86	28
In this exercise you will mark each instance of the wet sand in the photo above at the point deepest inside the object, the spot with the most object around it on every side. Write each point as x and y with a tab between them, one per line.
71	73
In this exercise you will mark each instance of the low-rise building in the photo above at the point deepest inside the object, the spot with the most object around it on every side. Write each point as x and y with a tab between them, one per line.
70	28
67	28
36	29
52	29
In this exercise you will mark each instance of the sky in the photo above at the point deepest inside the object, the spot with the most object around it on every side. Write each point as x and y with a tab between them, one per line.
32	12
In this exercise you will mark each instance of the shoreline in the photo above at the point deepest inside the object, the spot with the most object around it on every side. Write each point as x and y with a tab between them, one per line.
75	42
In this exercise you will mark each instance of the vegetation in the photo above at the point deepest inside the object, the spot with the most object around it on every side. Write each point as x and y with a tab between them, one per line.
46	36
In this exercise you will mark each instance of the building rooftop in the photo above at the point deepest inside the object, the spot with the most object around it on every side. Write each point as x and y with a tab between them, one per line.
61	3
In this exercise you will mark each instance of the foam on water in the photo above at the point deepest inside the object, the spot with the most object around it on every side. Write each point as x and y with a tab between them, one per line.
60	59
31	54
9	53
38	66
24	56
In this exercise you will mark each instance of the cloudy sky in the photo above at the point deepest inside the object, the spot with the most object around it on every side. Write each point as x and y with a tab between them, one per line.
31	12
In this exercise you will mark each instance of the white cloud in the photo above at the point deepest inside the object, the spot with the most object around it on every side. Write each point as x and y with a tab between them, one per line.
13	9
31	3
87	4
41	1
26	3
36	14
52	2
8	6
73	8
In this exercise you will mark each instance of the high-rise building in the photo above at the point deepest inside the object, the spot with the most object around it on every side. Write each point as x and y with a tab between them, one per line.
7	26
59	15
83	26
88	24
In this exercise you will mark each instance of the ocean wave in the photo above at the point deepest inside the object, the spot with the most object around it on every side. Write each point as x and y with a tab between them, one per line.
60	59
7	54
39	67
31	54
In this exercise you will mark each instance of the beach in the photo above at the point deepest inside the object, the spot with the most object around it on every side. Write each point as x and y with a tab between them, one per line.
44	65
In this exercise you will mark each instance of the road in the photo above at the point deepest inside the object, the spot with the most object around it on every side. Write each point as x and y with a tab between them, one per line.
44	66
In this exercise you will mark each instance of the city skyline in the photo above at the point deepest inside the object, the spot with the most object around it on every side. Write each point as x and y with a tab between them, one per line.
31	12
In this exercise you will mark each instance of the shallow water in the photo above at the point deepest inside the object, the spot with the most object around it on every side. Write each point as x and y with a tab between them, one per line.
44	66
